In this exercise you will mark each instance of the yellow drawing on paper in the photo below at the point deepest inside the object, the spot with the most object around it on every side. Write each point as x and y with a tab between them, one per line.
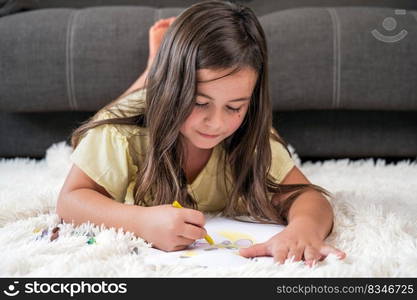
229	237
233	241
189	254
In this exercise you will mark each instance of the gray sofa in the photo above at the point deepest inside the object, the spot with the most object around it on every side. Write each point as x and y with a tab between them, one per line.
341	85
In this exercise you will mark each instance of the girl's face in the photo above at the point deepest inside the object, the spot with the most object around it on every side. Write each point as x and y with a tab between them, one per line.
220	106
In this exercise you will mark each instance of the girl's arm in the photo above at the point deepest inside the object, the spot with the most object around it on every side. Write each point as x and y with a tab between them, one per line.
166	227
311	211
81	199
82	205
310	220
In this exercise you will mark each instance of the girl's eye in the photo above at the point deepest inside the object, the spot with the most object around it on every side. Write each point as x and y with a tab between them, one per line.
204	105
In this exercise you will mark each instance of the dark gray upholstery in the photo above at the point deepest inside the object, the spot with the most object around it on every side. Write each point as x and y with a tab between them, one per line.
337	91
260	7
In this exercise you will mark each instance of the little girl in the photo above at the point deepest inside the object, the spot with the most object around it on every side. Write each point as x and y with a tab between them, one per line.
196	127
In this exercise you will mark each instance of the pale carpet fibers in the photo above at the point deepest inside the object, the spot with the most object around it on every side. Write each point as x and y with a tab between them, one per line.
375	207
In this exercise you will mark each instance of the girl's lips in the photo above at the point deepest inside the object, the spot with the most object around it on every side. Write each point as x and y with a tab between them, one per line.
208	136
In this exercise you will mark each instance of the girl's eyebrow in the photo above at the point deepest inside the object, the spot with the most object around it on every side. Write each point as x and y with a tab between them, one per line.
234	100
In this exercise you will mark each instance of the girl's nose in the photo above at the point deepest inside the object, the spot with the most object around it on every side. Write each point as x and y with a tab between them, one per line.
213	120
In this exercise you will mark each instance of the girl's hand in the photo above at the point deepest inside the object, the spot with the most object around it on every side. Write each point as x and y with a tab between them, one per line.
303	244
171	229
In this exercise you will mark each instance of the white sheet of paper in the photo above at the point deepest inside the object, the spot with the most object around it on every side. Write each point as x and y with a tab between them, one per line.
229	236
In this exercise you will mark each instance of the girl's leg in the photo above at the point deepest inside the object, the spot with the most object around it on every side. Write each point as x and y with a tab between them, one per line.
156	33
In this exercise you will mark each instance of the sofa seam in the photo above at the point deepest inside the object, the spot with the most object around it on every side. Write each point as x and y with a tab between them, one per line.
414	14
69	62
336	57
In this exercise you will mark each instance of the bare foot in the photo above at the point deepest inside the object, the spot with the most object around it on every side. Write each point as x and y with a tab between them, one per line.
156	33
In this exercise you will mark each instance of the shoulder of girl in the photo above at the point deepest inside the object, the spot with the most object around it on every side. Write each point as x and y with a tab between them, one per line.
119	129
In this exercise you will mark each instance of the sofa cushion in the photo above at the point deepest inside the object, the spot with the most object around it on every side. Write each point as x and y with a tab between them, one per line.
320	58
69	59
260	7
328	58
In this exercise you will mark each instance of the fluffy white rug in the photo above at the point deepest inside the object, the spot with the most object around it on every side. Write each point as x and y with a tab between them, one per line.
375	207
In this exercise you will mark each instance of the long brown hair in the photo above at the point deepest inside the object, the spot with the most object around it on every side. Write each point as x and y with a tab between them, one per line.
213	35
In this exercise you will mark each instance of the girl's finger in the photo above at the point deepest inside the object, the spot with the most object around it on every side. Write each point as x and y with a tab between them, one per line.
327	249
193	232
296	252
280	255
260	249
180	247
311	255
181	241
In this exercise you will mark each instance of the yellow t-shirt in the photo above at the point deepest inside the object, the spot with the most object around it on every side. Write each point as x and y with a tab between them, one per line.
105	154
